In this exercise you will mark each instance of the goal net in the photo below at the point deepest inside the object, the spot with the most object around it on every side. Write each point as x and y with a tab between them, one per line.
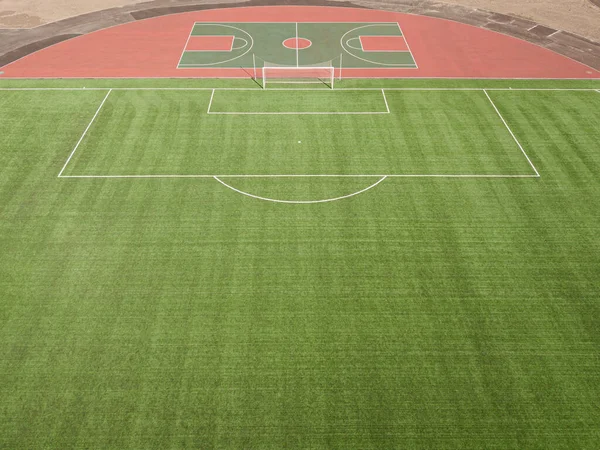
323	73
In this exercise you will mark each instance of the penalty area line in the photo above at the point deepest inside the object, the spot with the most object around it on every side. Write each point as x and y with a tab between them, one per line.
210	102
511	133
84	133
387	107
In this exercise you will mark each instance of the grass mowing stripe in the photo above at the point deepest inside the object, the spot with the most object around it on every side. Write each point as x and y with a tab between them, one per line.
429	312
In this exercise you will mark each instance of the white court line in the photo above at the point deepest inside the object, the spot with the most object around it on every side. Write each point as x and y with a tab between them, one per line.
84	133
239	48
214	35
511	133
296	202
387	107
297	50
326	175
210	102
355	48
55	89
379	51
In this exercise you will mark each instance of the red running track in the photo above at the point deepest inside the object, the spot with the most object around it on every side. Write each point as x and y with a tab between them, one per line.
152	48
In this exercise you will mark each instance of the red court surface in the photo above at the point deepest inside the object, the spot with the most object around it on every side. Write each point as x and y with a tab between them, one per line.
383	44
151	48
210	44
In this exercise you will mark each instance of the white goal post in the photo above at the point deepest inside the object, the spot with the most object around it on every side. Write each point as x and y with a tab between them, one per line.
321	73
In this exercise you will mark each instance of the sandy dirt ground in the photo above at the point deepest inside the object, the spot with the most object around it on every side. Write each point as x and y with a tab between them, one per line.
578	16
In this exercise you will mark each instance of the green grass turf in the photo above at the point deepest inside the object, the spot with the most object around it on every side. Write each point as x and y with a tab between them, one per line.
252	132
162	313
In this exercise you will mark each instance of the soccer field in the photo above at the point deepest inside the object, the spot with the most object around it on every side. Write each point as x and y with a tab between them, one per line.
391	264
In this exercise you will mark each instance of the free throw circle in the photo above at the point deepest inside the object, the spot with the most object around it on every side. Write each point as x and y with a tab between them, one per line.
297	43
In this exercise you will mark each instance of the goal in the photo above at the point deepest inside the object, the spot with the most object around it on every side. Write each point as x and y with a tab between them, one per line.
323	73
298	74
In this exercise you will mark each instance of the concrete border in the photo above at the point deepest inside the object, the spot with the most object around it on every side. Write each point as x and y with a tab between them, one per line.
17	43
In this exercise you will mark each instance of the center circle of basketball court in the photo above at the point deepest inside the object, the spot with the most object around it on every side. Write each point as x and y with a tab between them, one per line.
297	43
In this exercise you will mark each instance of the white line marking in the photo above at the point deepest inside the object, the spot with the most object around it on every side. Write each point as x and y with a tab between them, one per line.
210	102
511	133
324	113
303	48
53	89
387	107
84	133
239	48
381	51
355	48
552	34
300	201
294	89
417	175
216	35
297	52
